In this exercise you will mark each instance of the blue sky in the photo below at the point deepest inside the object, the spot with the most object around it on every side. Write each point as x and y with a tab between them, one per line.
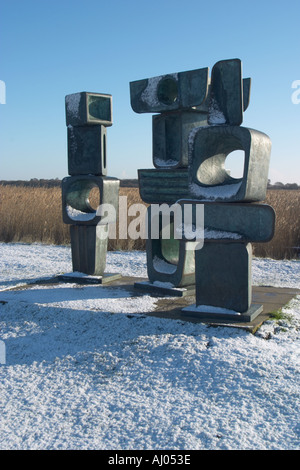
49	49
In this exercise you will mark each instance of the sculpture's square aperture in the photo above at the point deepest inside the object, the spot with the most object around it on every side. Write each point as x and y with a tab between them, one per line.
75	199
208	178
168	259
88	108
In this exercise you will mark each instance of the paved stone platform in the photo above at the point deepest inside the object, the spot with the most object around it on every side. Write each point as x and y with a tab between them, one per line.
271	298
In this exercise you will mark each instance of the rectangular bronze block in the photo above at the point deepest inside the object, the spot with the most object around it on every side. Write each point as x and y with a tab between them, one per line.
160	186
223	276
170	92
86	108
87	150
89	248
170	137
235	222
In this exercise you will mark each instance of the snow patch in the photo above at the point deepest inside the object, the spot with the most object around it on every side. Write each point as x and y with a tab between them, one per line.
163	266
219	234
165	163
78	376
213	309
224	191
215	115
73	103
77	215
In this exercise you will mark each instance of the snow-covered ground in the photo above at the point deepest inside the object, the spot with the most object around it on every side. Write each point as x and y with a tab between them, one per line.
86	368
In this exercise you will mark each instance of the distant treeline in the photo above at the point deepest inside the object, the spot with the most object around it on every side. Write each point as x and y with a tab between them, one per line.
52	183
125	183
279	185
34	183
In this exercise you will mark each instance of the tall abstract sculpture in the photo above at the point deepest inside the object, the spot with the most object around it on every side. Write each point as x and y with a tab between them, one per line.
199	125
87	117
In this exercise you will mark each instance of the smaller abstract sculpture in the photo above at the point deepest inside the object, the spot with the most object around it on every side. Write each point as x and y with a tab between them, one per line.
87	117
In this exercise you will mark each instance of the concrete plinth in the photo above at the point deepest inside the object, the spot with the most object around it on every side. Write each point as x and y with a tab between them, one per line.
212	314
81	278
163	289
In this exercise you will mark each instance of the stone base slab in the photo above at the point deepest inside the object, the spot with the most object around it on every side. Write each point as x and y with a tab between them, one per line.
211	314
82	278
165	288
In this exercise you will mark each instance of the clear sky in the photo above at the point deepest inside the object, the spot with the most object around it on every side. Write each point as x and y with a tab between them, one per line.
51	48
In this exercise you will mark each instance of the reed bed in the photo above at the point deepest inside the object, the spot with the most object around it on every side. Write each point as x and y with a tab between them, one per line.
286	241
34	215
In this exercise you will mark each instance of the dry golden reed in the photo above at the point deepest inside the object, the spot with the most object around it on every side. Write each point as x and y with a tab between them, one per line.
30	215
34	214
286	241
